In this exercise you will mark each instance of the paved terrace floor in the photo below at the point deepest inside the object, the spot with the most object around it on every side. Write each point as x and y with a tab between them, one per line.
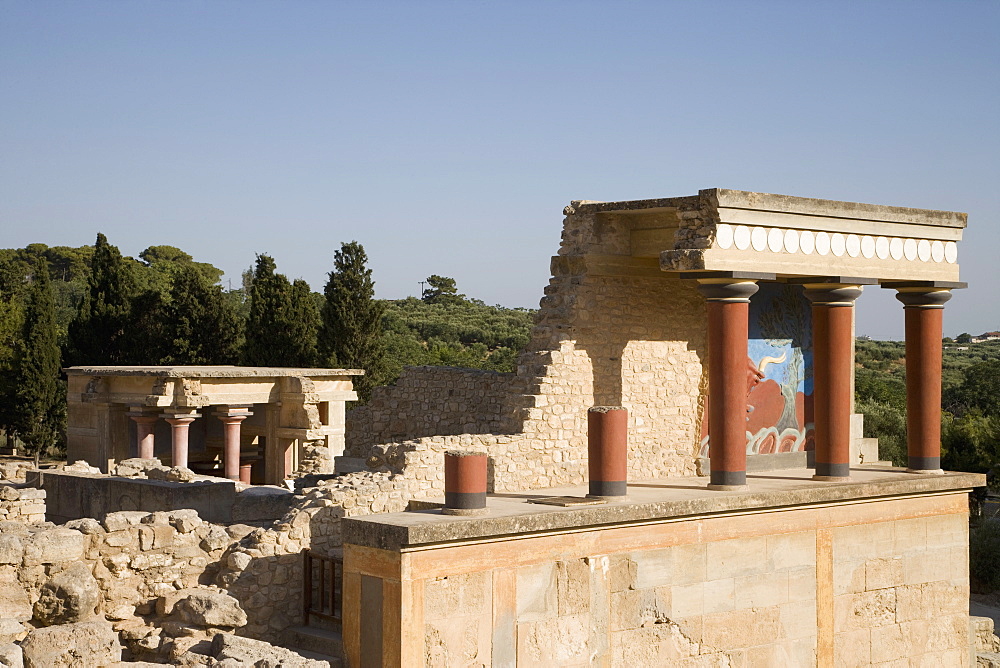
647	501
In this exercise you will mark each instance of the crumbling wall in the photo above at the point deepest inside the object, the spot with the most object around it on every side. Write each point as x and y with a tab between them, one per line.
24	504
612	329
429	401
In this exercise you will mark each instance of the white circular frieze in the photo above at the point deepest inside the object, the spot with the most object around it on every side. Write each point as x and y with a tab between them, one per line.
924	250
868	246
853	245
791	241
822	243
937	251
724	235
741	237
951	252
775	240
838	244
896	248
807	242
881	248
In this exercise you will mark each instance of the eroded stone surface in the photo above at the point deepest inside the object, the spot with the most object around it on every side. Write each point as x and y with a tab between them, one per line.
92	643
69	596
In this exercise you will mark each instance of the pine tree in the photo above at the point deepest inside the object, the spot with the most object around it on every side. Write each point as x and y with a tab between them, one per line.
39	409
351	334
102	331
200	325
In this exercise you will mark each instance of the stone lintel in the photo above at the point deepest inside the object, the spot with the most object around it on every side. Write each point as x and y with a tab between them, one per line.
735	275
412	529
721	199
931	285
833	280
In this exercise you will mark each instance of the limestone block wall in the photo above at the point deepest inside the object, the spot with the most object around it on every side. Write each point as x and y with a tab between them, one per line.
428	401
141	562
855	584
24	504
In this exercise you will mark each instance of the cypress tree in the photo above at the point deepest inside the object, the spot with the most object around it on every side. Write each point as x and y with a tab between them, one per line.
270	298
282	319
302	326
101	333
351	333
200	325
39	409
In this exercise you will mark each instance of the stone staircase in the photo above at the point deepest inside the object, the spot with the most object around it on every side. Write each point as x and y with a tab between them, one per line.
317	643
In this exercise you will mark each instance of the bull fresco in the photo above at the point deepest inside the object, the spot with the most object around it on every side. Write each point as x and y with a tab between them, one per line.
779	373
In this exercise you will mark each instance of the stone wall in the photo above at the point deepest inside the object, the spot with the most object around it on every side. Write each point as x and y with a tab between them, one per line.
859	584
612	329
431	400
22	504
264	570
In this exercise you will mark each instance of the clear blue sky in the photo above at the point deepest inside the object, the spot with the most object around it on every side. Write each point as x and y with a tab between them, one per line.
447	136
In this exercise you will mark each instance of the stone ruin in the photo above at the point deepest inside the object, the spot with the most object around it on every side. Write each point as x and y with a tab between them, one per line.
358	563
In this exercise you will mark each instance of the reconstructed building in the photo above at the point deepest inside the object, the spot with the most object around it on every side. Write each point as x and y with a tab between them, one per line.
215	419
723	323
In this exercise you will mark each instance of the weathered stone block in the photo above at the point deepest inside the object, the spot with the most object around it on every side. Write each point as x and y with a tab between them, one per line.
739	557
560	641
654	568
69	596
687	600
865	610
742	628
11	549
573	586
72	645
52	546
537	594
124	519
719	596
11	656
211	608
791	550
798	619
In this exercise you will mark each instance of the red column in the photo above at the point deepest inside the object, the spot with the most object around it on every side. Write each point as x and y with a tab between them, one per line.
607	451
232	418
144	439
464	483
728	316
923	310
833	370
179	437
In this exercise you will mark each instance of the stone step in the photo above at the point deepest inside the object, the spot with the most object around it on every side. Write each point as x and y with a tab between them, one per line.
327	642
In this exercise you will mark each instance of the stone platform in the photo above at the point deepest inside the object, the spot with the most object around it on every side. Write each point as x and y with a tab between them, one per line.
789	572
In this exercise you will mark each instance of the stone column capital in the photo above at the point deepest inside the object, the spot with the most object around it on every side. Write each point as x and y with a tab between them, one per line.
236	410
923	297
731	290
180	420
232	419
832	294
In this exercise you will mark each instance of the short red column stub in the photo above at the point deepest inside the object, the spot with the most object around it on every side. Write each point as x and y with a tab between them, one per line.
607	449
465	482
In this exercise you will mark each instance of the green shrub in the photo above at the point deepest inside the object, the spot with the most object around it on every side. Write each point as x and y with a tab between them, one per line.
984	555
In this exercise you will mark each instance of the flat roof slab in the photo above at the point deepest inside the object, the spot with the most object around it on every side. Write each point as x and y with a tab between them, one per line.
510	514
